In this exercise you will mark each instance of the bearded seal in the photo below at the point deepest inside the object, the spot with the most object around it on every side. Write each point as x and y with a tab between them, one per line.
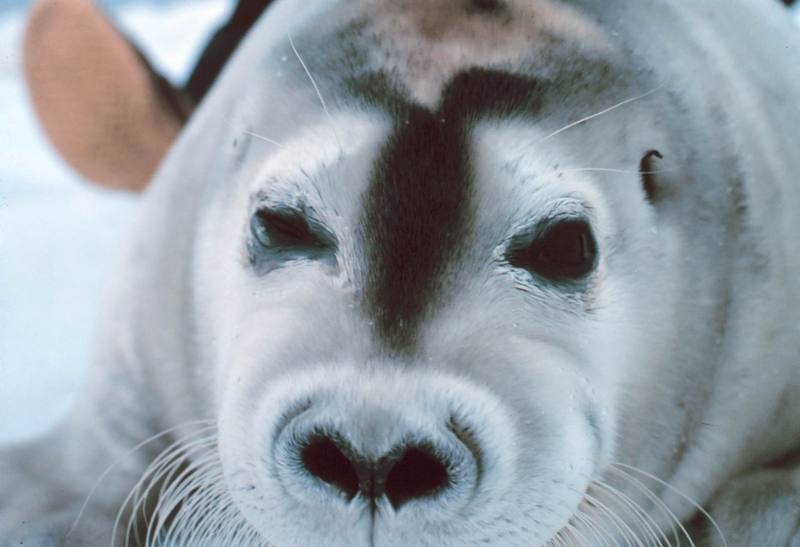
454	272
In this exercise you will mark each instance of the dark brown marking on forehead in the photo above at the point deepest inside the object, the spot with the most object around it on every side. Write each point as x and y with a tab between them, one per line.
417	209
492	7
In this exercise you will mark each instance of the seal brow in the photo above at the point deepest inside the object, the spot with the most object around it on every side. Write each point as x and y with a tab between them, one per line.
315	86
601	113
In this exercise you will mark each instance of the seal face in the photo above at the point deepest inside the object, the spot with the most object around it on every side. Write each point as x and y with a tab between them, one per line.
461	272
396	347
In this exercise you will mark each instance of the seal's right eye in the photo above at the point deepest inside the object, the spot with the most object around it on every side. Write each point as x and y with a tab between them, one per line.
273	228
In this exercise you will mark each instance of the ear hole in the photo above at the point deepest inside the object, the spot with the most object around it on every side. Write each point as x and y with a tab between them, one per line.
647	171
109	115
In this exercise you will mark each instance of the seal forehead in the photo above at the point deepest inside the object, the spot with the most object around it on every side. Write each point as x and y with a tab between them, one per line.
431	70
425	43
418	206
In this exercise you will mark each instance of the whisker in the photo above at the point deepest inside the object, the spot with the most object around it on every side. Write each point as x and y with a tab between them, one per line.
625	531
619	171
253	134
189	535
590	502
567	541
578	534
170	459
659	503
118	460
177	491
161	473
182	500
630	536
602	112
263	138
599	532
653	531
681	495
154	473
184	477
656	501
316	87
638	528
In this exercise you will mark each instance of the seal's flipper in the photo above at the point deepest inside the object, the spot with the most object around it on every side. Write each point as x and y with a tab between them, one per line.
104	108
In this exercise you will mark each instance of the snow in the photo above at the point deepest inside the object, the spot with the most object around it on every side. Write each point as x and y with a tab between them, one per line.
59	236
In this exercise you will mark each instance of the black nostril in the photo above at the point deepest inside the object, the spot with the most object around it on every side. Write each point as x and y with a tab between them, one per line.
405	474
417	474
323	458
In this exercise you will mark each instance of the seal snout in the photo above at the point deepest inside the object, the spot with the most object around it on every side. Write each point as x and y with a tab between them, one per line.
343	455
376	455
408	472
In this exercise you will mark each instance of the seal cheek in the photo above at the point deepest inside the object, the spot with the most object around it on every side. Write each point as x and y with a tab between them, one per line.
591	415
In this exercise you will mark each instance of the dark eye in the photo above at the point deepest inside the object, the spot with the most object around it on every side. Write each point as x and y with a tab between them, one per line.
562	252
283	228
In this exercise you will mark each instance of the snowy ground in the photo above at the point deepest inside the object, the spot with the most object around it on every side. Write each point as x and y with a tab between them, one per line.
57	235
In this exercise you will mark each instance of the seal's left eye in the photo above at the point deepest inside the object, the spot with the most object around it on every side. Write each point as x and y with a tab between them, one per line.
562	252
277	228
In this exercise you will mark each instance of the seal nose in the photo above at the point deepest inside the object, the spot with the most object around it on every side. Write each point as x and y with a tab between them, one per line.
325	458
409	471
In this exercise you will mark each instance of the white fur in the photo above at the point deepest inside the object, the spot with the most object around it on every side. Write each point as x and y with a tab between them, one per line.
604	420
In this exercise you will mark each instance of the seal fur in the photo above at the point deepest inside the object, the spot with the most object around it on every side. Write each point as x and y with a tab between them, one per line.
676	359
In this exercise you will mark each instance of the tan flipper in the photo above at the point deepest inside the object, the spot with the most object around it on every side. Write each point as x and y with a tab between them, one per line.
107	112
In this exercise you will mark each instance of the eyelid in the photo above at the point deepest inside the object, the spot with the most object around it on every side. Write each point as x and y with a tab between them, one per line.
316	227
529	232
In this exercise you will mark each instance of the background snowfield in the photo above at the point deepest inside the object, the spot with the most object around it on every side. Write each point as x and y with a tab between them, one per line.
58	235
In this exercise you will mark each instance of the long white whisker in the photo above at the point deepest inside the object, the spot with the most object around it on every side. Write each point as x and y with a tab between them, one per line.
602	112
599	532
316	87
263	138
175	491
164	472
569	540
160	473
118	460
578	535
619	523
671	515
652	529
253	134
681	495
204	505
184	500
136	498
602	510
655	500
178	491
558	541
611	170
